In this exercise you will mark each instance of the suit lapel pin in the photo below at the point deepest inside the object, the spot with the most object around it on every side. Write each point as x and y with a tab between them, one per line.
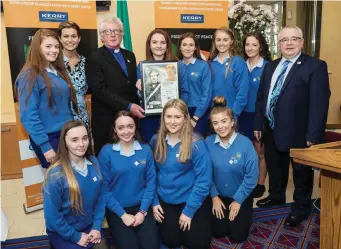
128	61
299	63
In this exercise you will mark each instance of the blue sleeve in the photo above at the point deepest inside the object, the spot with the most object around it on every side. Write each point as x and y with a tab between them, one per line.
206	91
105	163
202	167
150	178
241	83
99	210
183	82
213	190
250	177
138	71
156	200
318	104
53	192
29	114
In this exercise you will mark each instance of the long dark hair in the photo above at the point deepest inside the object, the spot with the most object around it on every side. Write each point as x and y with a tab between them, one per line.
36	64
264	47
114	138
197	50
169	52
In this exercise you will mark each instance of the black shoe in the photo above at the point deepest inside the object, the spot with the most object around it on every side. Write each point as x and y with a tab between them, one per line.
267	202
293	220
258	191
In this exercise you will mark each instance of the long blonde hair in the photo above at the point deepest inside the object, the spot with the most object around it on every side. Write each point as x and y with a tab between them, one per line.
186	135
63	160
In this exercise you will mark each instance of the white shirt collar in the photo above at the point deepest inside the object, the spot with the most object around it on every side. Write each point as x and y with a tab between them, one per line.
259	64
84	171
224	61
136	146
194	59
51	70
293	60
229	143
167	138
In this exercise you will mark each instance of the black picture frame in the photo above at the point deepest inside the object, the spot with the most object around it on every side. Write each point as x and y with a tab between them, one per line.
160	81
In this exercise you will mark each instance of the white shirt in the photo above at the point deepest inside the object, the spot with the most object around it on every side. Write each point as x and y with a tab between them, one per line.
276	74
136	146
259	64
229	143
84	171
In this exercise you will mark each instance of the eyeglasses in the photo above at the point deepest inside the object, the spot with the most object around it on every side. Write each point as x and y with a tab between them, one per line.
293	39
112	31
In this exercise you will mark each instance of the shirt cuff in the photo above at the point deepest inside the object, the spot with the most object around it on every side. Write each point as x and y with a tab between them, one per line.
189	211
46	147
129	106
76	236
97	225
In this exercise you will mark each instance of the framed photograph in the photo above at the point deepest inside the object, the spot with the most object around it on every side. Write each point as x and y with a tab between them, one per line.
160	83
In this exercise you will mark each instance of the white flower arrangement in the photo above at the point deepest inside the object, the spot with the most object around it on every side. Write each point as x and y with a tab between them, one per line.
244	19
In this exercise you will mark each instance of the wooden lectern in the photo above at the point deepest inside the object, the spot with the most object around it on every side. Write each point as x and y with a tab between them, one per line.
326	157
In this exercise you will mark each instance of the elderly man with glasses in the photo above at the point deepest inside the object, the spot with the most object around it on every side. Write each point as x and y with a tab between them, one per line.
291	112
111	75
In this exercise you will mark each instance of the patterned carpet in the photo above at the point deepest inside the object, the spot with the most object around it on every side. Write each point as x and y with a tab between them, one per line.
267	232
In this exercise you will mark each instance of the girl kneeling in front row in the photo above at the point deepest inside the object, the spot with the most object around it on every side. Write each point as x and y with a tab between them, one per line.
74	198
184	176
128	171
235	175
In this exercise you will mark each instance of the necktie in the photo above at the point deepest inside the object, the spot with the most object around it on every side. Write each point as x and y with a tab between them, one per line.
275	93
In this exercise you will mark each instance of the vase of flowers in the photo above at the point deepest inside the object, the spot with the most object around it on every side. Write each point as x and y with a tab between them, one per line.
244	19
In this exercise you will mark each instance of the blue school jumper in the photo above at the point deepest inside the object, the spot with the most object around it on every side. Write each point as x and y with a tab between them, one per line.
200	92
129	178
247	117
63	226
235	167
188	182
235	86
42	123
150	124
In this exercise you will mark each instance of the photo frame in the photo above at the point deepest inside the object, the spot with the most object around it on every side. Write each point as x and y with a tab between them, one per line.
160	83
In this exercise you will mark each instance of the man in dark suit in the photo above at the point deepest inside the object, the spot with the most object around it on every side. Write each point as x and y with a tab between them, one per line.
111	74
291	112
153	91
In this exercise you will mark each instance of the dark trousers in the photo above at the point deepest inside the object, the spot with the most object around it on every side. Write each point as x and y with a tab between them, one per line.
277	163
57	242
238	229
198	237
53	140
202	125
144	236
149	126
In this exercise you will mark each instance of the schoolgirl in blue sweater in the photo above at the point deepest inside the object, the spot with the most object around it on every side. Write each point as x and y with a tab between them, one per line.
74	196
159	48
128	171
235	174
230	76
184	178
45	94
257	55
199	81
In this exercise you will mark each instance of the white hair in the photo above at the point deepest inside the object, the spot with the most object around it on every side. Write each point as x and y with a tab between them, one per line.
292	27
111	20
